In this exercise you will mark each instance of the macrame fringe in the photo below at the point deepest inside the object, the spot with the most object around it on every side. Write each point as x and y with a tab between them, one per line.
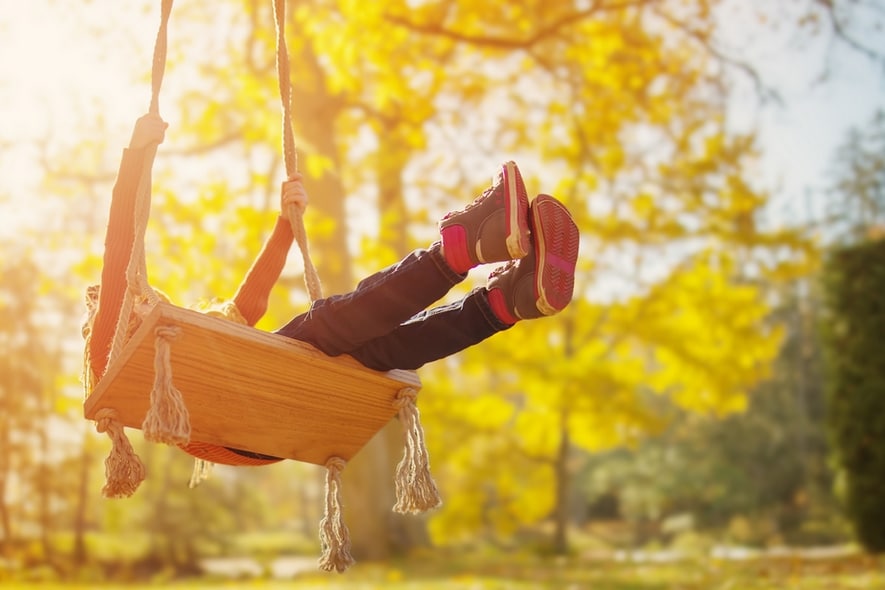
167	420
334	536
124	471
202	471
89	378
415	489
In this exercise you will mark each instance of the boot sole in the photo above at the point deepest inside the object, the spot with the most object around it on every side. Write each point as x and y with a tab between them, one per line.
517	213
556	242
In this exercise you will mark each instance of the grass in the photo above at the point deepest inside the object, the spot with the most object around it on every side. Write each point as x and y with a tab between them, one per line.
436	572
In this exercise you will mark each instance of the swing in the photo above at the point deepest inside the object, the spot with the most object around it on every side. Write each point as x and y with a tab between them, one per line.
186	377
252	390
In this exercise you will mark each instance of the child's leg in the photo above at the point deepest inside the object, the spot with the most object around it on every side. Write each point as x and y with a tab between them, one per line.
540	284
433	334
379	304
490	229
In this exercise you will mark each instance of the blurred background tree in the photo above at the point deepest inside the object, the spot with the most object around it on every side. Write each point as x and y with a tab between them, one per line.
29	363
854	327
857	203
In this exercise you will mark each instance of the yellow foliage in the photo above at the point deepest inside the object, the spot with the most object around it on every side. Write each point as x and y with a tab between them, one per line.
618	119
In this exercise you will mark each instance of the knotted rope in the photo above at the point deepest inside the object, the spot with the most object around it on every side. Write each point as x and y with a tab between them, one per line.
334	536
124	471
415	489
296	216
201	472
136	271
167	418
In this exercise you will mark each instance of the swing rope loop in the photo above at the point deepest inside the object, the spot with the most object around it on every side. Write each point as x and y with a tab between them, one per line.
284	80
296	218
159	63
136	271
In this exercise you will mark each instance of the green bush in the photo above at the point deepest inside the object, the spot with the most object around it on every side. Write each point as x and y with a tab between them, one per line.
854	336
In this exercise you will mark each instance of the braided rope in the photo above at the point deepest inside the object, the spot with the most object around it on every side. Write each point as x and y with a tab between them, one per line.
334	535
296	218
167	419
124	471
159	63
415	489
136	271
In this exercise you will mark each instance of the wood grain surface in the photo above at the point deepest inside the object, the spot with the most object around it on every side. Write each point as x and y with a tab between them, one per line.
253	390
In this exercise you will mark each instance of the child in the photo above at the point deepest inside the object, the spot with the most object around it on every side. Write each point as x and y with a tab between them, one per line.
384	323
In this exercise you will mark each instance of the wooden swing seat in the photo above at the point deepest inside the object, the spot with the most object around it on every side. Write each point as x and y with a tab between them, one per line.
253	390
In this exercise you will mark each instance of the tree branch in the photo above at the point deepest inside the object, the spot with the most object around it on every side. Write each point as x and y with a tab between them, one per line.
203	148
541	34
766	93
842	34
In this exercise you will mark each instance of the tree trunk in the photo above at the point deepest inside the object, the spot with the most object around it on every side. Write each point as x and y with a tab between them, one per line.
366	485
408	531
5	520
561	514
314	114
368	497
44	491
82	506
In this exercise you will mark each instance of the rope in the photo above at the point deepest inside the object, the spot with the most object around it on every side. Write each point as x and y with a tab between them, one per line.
334	536
136	271
415	489
167	420
296	218
202	469
124	471
159	63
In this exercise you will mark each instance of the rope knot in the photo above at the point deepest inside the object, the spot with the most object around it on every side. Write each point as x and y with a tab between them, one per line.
404	397
167	420
124	471
334	536
336	464
415	489
167	332
105	419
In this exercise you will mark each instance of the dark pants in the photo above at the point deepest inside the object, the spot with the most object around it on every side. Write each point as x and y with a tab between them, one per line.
385	324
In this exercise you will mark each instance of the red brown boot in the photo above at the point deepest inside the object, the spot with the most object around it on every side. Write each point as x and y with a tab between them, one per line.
493	228
542	283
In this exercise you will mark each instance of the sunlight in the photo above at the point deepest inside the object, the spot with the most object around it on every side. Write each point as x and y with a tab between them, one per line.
55	70
58	78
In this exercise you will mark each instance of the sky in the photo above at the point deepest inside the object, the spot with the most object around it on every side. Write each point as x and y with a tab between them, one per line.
55	73
802	136
825	89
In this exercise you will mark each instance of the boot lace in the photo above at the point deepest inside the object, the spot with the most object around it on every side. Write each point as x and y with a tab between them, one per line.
478	200
502	269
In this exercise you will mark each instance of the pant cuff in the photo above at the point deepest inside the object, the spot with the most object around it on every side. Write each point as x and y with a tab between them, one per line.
439	259
481	296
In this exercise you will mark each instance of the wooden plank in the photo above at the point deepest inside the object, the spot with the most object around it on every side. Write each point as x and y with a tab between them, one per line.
253	390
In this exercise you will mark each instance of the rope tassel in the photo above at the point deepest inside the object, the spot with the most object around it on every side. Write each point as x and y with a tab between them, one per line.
415	489
167	420
124	471
202	471
334	536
